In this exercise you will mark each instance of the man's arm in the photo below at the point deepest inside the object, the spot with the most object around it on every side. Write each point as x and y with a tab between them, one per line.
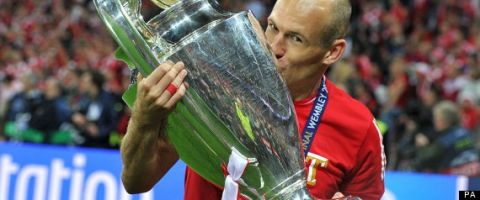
367	179
147	154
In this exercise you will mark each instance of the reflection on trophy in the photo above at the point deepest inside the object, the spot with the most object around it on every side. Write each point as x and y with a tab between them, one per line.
164	3
237	113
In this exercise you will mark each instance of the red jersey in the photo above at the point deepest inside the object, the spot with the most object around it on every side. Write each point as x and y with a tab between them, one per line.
346	154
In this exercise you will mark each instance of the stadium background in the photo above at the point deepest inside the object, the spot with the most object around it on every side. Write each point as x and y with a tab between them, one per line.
407	57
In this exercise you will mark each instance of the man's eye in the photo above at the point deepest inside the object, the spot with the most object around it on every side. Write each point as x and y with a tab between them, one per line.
296	39
272	26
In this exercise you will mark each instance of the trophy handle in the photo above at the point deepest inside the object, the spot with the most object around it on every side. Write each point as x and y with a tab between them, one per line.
124	21
148	44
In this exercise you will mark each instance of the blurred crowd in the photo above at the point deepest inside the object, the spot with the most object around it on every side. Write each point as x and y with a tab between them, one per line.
60	82
414	63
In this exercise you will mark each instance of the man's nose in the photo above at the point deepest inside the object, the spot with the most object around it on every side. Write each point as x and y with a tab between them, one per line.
278	46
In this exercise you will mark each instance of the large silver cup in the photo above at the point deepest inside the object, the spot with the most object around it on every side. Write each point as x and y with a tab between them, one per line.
236	100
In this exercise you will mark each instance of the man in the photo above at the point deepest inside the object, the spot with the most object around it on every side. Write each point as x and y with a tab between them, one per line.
52	111
452	151
306	36
95	116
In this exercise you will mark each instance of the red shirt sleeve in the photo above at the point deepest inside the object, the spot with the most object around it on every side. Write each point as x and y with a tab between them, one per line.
366	180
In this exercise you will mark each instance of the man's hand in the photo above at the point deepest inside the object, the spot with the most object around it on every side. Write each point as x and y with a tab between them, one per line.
146	153
92	130
79	119
154	101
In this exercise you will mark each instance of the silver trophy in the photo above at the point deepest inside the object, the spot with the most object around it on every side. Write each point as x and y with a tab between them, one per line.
237	104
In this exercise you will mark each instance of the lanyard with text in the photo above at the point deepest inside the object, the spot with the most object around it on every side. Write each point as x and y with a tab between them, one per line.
315	117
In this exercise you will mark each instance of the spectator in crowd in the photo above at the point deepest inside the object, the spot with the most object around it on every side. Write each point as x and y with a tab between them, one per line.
8	89
452	147
469	99
96	117
70	80
415	124
22	105
53	111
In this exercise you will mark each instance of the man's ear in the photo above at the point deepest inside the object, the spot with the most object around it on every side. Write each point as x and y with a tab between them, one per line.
335	52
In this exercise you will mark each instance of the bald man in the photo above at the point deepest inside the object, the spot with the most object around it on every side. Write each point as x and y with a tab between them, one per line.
343	147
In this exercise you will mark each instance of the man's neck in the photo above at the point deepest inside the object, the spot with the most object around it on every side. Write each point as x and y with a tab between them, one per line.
307	89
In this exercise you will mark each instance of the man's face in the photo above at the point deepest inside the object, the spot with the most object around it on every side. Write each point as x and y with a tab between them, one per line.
294	32
439	122
52	89
86	83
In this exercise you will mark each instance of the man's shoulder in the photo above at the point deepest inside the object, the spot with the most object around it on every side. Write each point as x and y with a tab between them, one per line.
343	104
349	118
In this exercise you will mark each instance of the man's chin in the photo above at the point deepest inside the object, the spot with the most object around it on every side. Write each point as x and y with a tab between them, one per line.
281	68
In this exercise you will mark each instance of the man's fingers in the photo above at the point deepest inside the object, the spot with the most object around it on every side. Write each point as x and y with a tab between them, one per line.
159	89
177	96
165	83
139	77
179	79
145	84
171	75
177	82
141	85
158	73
